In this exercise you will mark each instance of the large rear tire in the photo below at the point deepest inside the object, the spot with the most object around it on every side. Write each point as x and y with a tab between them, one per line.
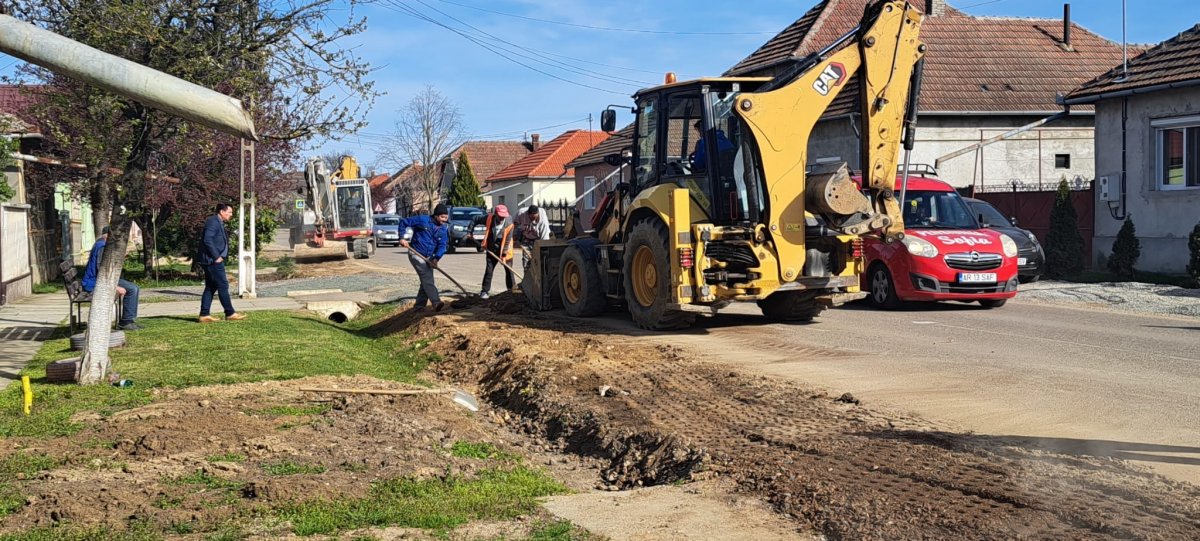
647	278
792	306
580	285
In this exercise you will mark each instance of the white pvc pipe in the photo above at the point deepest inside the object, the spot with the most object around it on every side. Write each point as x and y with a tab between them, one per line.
148	86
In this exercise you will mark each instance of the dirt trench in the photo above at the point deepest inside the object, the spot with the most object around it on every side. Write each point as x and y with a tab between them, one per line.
654	416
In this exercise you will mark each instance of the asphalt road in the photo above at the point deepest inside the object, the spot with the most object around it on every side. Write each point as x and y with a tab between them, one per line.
1084	380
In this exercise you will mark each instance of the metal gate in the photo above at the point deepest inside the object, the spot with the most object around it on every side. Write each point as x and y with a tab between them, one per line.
1032	207
15	271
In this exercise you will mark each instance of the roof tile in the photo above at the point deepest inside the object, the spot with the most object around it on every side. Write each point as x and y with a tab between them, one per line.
1176	60
552	158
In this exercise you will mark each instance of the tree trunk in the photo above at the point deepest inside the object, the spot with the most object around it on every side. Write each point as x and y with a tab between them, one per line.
101	205
95	362
100	316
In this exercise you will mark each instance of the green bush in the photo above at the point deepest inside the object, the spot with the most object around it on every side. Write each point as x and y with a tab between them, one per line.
1193	268
1064	246
286	267
1125	251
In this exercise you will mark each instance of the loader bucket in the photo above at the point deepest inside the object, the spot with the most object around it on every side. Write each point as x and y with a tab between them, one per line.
333	249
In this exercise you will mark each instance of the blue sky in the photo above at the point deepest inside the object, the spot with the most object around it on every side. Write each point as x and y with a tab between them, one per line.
501	99
504	100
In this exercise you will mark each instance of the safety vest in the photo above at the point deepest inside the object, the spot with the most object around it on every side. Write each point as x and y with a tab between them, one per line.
506	244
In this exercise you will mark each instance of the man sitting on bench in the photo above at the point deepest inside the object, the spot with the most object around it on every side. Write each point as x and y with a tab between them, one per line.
128	290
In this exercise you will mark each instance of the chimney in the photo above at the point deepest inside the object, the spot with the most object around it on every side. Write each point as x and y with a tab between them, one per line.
1066	42
534	140
935	8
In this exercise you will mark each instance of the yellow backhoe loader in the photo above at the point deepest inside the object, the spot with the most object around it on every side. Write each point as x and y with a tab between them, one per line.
740	217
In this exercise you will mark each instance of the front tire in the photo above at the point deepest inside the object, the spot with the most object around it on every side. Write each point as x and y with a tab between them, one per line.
580	285
647	278
992	303
792	306
451	247
883	288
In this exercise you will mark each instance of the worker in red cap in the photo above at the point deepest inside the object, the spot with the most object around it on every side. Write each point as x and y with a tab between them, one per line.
498	245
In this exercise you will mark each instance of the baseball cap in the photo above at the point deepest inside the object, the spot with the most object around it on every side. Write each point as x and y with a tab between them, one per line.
501	211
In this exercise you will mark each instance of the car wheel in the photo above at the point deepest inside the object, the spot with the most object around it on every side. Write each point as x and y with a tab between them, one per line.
1028	279
992	303
479	248
883	288
451	248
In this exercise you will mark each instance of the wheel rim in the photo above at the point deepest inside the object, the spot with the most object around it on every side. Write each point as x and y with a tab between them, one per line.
645	276
572	282
879	286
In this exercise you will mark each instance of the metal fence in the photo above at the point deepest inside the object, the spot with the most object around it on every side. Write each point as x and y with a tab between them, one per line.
1076	184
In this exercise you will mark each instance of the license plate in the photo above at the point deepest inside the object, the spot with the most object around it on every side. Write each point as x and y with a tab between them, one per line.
976	277
1022	261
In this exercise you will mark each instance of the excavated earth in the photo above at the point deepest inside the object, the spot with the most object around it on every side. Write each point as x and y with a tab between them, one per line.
614	410
655	415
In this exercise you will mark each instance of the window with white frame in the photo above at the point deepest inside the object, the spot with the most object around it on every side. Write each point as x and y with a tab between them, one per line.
1177	152
589	200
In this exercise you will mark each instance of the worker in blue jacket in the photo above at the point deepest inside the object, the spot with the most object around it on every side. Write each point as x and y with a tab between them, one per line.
127	291
427	242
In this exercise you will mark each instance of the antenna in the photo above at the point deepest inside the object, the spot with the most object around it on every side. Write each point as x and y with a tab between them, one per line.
1124	43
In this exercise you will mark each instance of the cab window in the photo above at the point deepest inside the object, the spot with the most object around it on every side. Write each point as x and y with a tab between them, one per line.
647	126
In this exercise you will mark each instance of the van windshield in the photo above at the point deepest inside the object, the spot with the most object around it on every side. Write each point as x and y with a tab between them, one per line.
936	210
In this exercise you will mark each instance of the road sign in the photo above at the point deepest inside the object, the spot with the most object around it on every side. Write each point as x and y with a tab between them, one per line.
299	203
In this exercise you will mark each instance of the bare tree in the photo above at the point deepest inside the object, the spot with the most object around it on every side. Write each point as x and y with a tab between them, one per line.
429	127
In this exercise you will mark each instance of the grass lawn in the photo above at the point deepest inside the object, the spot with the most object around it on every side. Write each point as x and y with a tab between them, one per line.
178	352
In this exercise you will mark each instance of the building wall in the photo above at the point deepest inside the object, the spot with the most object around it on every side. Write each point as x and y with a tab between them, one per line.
510	193
1163	218
598	172
16	277
1028	157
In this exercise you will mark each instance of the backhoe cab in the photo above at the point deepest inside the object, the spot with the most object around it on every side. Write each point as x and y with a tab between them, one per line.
719	205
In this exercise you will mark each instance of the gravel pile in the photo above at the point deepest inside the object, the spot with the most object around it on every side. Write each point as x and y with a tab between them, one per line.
1124	296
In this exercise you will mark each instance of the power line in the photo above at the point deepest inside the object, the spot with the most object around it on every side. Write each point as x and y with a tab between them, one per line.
980	4
610	29
418	15
537	57
527	130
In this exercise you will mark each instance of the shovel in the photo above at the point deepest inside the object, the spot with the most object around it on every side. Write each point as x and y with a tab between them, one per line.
439	269
460	397
501	261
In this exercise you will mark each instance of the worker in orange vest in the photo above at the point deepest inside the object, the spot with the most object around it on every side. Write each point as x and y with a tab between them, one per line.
498	245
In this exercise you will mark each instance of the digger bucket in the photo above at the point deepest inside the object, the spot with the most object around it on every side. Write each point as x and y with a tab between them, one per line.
540	282
333	249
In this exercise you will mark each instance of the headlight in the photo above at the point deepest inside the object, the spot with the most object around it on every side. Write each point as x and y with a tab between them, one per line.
1031	236
460	228
921	247
1010	247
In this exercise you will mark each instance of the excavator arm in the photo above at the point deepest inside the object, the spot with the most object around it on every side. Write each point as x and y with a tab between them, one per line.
883	51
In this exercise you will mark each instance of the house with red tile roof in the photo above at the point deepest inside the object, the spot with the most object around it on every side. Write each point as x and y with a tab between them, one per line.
486	158
1148	151
544	176
984	76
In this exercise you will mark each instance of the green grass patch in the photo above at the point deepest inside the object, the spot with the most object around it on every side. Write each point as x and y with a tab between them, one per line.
438	504
11	499
178	352
287	467
139	531
48	287
21	462
227	457
464	449
206	480
298	411
558	530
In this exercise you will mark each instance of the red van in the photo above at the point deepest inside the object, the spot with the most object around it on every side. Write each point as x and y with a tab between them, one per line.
945	254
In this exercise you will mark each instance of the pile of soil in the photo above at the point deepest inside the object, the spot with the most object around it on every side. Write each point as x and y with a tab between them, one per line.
128	466
654	415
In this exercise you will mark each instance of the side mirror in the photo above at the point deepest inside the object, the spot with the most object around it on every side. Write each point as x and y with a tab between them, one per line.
613	159
608	120
983	221
1013	219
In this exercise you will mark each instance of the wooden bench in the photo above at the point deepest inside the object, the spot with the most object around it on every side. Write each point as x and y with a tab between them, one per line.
79	296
